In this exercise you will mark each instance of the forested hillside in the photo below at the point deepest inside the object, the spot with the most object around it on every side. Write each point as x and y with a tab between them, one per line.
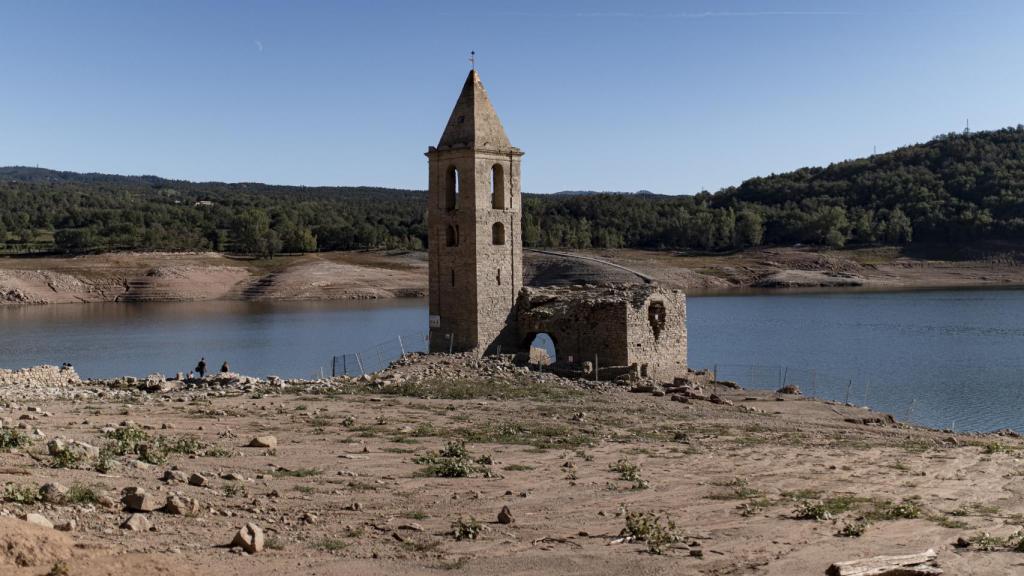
957	188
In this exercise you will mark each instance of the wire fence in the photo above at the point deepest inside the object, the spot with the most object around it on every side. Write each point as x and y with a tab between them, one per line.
379	356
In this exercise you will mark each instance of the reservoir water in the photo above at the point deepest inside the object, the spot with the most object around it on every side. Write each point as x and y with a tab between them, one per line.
943	358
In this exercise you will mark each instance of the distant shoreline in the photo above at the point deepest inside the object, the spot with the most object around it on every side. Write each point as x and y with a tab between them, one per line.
362	275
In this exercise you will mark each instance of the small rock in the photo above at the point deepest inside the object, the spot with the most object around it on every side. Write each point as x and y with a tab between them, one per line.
38	520
139	501
505	516
263	442
175	476
136	523
56	446
788	389
197	480
249	538
309	518
53	492
68	525
181	505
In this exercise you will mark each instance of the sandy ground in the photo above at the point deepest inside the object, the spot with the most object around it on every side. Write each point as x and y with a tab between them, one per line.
346	492
141	277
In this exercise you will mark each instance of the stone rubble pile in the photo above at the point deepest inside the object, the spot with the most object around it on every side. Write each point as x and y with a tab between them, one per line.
415	369
39	377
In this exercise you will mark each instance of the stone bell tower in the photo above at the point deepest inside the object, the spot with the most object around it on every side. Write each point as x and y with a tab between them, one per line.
474	219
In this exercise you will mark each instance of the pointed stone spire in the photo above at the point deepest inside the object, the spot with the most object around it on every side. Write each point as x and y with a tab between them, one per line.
474	123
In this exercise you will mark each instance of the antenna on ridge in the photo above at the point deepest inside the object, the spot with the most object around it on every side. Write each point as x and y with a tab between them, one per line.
967	128
472	59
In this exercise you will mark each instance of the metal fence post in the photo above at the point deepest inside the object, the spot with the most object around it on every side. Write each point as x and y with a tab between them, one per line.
380	360
451	343
785	376
360	362
596	367
401	345
344	363
848	386
334	366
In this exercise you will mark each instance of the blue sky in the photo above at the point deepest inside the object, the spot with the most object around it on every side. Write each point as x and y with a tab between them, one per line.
673	97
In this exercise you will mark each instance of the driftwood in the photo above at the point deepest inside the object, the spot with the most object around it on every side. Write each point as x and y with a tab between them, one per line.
907	565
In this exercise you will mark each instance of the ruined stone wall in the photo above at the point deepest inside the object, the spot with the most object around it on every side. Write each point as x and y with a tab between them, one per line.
586	324
656	334
640	327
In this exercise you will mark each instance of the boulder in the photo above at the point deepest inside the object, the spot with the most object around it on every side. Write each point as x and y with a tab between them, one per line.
175	476
249	538
197	480
68	525
38	520
138	500
181	505
136	523
263	442
505	516
53	492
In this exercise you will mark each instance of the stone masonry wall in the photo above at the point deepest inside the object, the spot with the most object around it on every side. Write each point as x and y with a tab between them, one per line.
656	334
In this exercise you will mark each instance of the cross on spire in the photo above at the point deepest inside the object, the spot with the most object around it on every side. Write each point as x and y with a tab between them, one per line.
472	59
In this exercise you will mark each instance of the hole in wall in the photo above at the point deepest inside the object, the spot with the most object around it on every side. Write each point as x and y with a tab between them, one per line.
656	317
542	349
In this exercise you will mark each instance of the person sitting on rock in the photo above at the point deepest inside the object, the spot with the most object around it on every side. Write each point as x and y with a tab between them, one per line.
201	367
224	368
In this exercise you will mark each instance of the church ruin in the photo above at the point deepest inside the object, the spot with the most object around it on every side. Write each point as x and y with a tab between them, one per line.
478	302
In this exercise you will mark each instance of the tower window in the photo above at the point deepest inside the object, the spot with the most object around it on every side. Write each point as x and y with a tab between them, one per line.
497	187
452	188
498	234
451	236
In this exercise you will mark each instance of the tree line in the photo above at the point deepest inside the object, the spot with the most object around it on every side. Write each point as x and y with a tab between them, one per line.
956	188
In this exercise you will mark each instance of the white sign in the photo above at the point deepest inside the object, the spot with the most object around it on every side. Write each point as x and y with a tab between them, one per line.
435	321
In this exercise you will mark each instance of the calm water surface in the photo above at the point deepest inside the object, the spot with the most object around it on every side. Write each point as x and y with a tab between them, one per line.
945	359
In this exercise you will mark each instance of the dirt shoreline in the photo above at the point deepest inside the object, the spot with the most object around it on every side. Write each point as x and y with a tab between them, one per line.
755	483
182	277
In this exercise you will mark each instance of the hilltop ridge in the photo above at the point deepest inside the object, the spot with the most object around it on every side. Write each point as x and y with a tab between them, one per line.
954	190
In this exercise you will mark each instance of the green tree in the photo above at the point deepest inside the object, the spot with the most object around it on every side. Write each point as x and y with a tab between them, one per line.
254	236
749	228
296	238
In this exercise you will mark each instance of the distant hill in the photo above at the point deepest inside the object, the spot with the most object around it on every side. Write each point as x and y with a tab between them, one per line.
957	189
593	192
